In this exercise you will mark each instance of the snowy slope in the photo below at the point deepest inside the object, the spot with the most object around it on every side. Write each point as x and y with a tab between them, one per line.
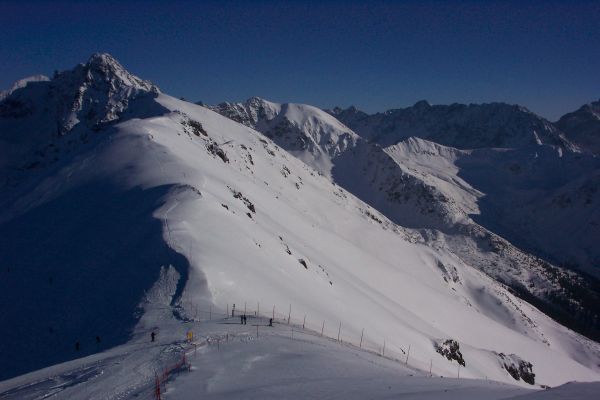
477	203
90	232
538	198
536	189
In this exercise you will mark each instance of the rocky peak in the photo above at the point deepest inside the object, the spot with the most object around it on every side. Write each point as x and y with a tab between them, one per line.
582	127
96	92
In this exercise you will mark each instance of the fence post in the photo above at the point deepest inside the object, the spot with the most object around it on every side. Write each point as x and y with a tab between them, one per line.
339	330
407	355
210	312
383	354
322	327
430	365
290	314
361	337
304	322
257	309
227	315
256	330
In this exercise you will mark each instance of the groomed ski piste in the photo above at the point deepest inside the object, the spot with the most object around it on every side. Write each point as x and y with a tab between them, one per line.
223	359
193	213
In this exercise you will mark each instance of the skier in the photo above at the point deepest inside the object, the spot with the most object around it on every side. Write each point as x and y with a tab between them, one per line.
270	321
245	319
153	335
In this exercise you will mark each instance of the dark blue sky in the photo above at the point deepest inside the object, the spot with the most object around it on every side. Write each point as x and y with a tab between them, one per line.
375	55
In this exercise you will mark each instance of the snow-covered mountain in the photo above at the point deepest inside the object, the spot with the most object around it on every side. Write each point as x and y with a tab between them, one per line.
470	201
536	190
131	217
582	127
457	125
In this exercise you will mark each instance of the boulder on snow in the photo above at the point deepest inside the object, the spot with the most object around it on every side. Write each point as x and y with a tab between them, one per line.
517	367
450	349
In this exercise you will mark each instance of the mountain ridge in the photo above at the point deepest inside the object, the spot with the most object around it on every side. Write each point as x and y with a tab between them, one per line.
200	211
450	192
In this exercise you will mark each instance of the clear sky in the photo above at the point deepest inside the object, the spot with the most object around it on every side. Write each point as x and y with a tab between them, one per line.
374	54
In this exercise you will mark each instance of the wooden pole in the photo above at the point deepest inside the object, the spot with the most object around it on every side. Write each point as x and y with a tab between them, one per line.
361	337
244	308
458	371
383	354
322	327
304	322
257	309
339	330
407	355
430	365
227	315
290	314
273	313
210	312
256	330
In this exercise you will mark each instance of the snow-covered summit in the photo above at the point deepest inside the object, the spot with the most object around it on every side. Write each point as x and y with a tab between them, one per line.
77	101
582	127
21	83
306	131
110	69
102	89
